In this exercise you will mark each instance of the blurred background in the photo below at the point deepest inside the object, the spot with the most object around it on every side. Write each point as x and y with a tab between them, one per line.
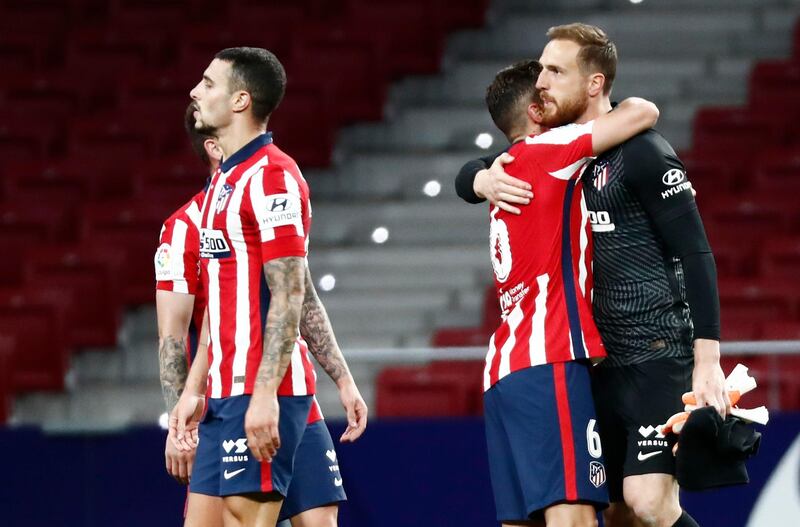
384	104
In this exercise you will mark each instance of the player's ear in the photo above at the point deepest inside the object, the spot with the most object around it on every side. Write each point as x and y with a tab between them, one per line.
213	150
240	101
535	113
597	81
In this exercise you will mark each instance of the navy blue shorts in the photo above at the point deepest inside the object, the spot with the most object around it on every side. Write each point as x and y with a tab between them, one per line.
543	442
316	481
224	465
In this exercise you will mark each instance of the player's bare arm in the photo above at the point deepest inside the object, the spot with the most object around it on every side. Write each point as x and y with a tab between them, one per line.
185	417
316	329
174	311
631	117
501	189
286	282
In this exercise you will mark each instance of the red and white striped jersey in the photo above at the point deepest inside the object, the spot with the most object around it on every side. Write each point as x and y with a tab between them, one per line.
542	259
177	262
178	255
256	209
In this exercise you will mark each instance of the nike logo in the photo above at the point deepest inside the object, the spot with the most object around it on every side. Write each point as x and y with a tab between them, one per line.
229	475
642	457
337	482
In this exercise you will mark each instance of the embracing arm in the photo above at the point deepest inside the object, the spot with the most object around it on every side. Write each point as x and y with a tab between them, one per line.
485	178
632	116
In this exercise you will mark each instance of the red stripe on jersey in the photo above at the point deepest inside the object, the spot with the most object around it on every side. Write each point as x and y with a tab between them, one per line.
565	427
266	477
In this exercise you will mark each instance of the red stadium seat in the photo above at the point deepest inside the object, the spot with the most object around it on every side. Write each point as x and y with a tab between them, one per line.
130	229
40	358
141	14
752	216
26	138
724	129
772	86
24	50
46	94
780	258
414	37
304	114
455	337
199	43
471	373
734	258
68	182
414	391
778	171
90	273
34	17
183	174
353	78
780	330
116	137
749	301
711	177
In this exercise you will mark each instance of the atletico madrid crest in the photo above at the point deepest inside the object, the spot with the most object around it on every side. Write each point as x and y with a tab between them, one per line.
597	474
600	174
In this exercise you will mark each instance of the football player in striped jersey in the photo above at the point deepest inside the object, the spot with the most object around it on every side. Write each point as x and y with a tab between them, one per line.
254	229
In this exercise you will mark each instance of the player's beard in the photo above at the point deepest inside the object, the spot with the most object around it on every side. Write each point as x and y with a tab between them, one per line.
200	126
564	112
205	129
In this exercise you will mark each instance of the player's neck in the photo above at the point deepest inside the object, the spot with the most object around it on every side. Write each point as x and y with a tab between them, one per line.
597	106
236	135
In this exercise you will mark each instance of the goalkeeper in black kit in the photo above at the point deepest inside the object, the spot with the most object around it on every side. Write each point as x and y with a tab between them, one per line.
655	298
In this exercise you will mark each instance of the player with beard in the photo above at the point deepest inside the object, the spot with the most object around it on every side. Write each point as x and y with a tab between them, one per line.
545	457
655	294
254	226
180	304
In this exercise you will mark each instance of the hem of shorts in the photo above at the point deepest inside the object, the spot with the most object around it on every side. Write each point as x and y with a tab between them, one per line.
310	507
282	493
204	493
537	510
598	505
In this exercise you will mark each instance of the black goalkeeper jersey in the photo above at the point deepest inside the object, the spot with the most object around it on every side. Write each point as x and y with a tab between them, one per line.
639	301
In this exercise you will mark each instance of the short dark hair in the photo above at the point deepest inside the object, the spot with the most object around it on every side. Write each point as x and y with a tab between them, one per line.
512	87
259	73
597	54
196	138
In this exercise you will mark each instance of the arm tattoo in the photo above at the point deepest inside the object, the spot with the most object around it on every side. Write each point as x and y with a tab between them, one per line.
285	278
174	369
315	327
